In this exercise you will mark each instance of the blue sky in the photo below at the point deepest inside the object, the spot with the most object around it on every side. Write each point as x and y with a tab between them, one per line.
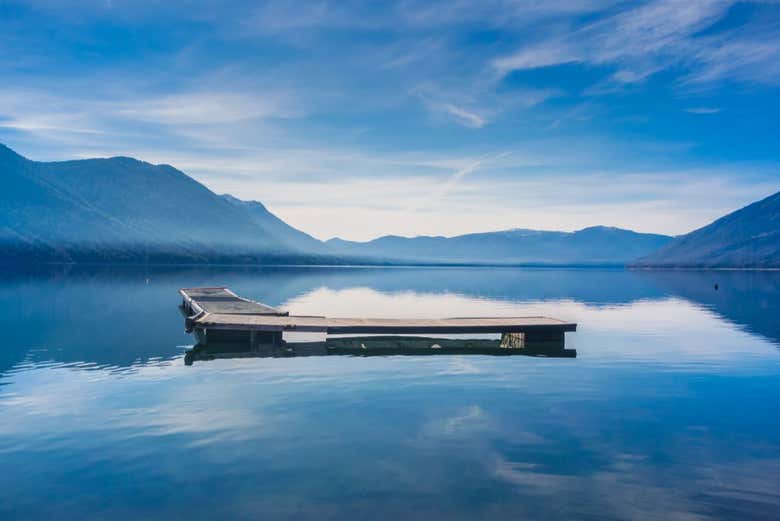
360	119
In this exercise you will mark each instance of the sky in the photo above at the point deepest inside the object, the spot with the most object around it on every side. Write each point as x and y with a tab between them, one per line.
360	119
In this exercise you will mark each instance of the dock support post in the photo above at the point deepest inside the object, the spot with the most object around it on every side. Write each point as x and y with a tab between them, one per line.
512	340
201	336
547	339
544	339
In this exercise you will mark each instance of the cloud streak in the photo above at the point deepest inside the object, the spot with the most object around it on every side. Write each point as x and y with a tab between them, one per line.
656	36
703	110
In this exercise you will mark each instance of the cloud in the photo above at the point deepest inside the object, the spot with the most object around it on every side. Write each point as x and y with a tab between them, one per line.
491	13
480	104
655	36
463	116
284	16
536	56
124	122
703	110
459	107
580	112
207	108
738	57
50	116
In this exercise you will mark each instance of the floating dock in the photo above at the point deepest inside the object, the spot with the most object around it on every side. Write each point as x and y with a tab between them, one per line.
217	315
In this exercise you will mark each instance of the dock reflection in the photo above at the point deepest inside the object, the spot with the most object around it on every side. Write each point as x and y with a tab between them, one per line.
376	346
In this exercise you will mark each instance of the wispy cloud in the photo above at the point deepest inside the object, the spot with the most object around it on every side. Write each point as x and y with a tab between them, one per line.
463	116
64	117
538	55
207	108
459	107
479	105
580	112
655	36
740	57
492	13
449	185
703	110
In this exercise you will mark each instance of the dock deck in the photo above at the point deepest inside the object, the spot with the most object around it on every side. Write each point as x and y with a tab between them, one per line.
385	326
218	313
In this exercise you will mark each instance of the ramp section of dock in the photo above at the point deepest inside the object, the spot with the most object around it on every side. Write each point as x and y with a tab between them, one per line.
206	301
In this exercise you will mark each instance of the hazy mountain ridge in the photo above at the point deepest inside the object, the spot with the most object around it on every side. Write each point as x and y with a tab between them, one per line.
274	226
124	209
746	238
594	245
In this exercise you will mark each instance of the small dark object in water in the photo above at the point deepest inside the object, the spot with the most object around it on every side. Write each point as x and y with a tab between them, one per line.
716	287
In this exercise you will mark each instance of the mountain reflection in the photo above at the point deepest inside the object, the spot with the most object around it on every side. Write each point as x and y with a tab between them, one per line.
750	299
372	346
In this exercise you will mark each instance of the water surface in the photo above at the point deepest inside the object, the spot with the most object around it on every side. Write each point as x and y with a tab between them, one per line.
669	411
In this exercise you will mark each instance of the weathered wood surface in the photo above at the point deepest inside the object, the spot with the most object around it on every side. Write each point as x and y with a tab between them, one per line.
213	309
380	325
223	301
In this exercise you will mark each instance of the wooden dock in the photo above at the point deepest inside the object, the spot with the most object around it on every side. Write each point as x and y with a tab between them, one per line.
219	315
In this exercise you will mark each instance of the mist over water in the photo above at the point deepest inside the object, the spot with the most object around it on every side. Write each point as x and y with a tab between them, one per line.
669	411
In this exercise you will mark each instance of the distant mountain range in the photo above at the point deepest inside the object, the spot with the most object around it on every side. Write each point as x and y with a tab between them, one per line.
595	245
121	210
747	238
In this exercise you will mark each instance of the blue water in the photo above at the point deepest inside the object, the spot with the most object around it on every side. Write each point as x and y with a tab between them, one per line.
671	409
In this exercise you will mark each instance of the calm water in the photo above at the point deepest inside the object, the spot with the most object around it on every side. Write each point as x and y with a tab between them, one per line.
671	409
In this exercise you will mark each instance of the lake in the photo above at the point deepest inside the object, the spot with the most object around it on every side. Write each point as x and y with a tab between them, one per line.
671	409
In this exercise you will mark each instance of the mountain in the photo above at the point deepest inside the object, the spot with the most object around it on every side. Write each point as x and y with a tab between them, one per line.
747	238
595	245
275	227
122	209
